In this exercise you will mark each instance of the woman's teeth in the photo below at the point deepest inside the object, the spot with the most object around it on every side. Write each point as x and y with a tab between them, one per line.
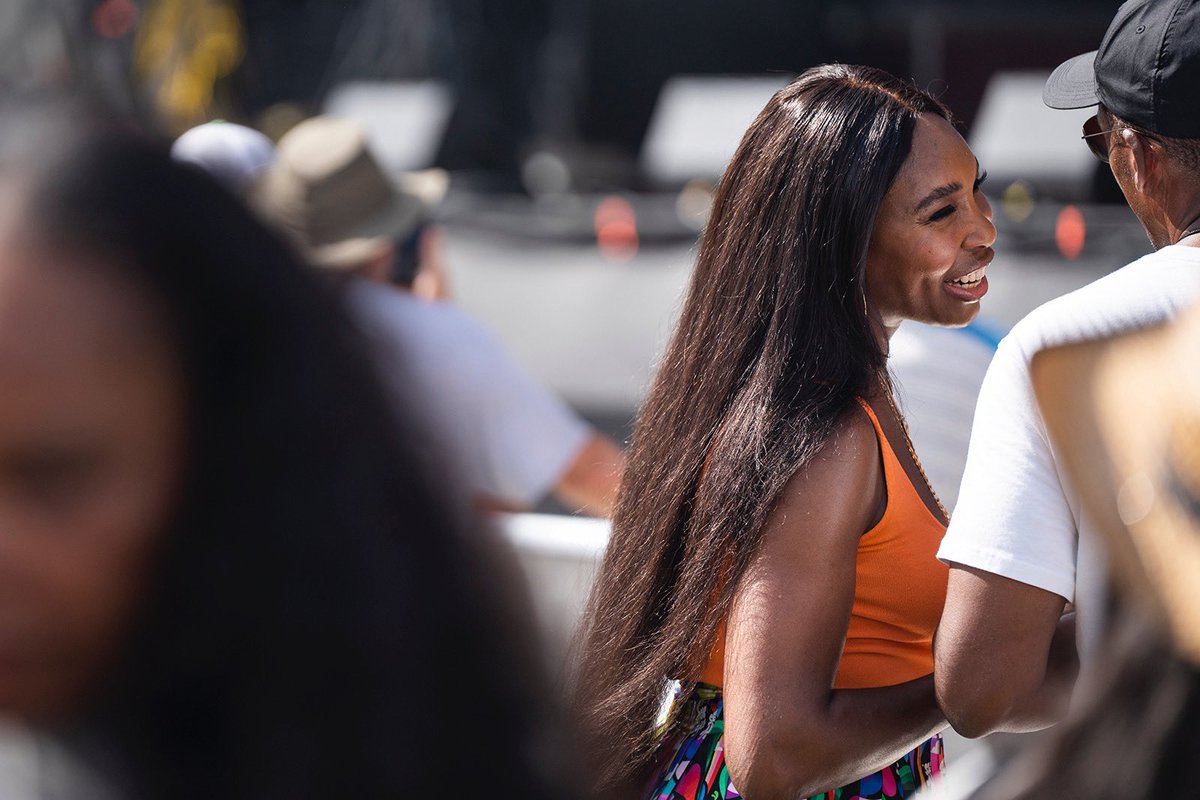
970	279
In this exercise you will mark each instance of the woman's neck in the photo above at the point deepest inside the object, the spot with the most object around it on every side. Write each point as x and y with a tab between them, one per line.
883	331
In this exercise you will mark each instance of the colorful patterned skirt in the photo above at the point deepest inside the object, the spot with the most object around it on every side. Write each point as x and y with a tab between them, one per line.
693	767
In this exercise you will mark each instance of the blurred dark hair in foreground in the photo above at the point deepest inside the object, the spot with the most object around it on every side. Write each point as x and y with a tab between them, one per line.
1134	735
317	622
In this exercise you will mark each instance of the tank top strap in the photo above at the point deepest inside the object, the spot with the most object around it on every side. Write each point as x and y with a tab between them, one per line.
894	476
871	413
902	496
903	505
889	454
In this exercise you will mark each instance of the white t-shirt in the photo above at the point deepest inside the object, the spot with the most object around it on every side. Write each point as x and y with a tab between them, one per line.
1017	515
501	433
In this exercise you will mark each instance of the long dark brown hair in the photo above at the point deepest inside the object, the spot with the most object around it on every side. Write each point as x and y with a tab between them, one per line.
320	623
773	344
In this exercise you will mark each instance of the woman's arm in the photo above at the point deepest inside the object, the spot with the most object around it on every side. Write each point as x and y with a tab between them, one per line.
787	733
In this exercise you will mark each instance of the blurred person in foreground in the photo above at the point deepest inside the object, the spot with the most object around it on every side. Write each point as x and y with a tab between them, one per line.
223	572
1019	548
773	546
1134	731
511	439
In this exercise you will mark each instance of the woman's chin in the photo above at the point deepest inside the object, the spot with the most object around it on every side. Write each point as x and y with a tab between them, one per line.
959	316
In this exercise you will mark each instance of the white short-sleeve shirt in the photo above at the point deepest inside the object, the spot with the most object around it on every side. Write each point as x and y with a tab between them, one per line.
1017	515
501	433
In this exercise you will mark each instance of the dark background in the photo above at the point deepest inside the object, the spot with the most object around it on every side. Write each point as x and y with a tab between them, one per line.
577	75
590	70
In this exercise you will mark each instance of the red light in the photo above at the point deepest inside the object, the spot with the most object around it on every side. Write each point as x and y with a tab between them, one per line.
112	19
616	229
1070	232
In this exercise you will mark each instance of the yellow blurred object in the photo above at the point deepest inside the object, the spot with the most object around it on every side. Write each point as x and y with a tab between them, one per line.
1017	201
183	48
694	203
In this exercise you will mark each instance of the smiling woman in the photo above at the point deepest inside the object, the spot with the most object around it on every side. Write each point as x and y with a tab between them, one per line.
773	546
927	259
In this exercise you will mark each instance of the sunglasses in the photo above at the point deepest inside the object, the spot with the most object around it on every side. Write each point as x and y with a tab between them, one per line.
1097	139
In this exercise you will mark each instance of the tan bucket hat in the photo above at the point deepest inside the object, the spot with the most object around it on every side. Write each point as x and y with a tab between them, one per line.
328	192
1125	415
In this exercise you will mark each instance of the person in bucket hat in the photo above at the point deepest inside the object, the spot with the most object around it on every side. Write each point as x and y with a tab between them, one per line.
1022	553
327	191
504	436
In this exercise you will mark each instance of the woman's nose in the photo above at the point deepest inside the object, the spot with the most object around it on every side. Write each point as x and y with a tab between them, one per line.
983	231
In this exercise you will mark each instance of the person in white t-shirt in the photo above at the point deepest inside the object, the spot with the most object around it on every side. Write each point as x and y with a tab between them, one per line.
1019	551
507	439
501	433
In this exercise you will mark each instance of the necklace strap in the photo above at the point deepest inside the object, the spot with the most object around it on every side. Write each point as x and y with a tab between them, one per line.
1191	229
1186	234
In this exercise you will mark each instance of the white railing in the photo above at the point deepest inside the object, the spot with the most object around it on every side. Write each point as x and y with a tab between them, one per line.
559	555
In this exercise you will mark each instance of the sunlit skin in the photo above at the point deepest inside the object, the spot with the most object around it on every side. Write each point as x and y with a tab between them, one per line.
934	227
91	450
1126	150
787	733
1161	192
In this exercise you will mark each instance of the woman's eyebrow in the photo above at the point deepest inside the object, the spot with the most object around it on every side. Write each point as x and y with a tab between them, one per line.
941	192
938	194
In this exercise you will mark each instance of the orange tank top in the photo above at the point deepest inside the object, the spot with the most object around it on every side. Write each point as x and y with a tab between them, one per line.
899	590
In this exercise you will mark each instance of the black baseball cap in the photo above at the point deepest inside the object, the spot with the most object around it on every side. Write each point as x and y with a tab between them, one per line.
1147	70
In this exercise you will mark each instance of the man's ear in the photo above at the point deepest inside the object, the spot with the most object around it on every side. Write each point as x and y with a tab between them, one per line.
1145	161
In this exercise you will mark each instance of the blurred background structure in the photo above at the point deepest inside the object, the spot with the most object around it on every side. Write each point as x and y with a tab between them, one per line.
504	81
584	136
583	139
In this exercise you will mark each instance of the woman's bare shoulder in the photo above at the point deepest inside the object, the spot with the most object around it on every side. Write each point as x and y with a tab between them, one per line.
843	482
